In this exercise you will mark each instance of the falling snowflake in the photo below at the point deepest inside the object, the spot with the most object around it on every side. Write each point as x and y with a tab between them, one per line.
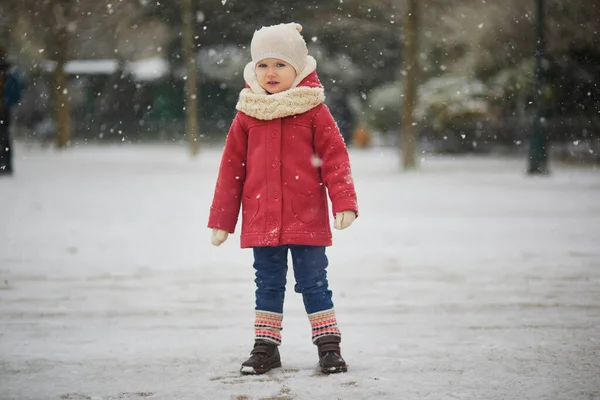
316	161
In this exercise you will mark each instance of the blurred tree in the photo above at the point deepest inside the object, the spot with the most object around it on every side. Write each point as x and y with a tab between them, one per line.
191	87
61	10
538	152
55	30
410	70
7	11
49	24
474	37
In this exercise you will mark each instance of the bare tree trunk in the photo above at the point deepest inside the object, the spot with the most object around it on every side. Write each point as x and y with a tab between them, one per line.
411	68
62	107
191	86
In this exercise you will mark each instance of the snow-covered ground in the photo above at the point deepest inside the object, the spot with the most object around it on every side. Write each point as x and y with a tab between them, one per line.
464	280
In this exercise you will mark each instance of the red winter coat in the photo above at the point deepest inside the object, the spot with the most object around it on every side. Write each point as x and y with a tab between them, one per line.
278	169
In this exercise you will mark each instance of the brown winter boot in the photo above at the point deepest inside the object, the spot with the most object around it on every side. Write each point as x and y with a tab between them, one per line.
330	355
264	357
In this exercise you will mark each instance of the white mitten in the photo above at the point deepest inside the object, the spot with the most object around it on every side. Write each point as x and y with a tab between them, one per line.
219	236
344	219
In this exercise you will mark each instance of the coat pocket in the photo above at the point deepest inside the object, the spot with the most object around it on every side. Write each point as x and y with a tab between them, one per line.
306	207
250	208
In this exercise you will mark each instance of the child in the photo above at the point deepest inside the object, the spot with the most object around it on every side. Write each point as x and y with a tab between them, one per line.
282	152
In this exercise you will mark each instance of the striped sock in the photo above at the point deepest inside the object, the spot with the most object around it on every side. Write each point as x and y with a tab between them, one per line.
323	323
267	326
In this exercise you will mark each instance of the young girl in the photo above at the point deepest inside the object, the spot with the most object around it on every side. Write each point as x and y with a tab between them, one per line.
283	154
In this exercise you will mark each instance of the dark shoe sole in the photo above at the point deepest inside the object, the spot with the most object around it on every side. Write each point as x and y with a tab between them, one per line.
253	371
334	370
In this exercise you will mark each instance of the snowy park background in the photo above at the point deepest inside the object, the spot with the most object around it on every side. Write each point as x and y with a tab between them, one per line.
466	279
463	278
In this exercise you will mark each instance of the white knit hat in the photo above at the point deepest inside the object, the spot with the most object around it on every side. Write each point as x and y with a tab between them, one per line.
282	41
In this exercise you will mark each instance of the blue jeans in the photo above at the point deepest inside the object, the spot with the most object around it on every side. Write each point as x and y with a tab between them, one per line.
310	270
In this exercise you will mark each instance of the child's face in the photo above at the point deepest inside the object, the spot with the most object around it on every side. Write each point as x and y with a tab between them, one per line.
275	75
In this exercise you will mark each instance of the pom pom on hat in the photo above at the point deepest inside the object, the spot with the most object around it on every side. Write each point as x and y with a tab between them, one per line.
282	41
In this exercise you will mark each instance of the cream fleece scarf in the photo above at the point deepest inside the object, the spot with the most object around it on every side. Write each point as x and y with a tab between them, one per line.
257	103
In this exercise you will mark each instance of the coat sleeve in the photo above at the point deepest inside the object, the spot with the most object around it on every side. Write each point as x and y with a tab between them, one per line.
335	162
226	202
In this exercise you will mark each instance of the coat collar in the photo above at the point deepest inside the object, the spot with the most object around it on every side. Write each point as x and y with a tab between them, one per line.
305	94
